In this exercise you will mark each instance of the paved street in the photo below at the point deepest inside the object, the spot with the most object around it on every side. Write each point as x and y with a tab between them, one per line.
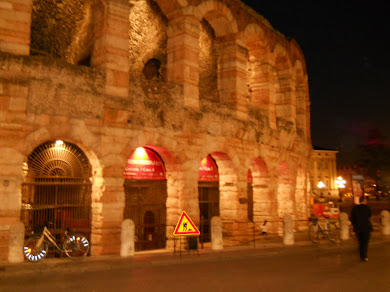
299	268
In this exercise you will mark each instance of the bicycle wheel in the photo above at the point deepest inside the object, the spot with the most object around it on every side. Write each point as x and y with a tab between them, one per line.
35	249
314	233
333	232
76	246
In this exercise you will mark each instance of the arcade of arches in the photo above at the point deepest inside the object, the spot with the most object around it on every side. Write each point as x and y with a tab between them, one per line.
144	109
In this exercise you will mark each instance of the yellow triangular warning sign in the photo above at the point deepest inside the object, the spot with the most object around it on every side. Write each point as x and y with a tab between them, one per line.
185	226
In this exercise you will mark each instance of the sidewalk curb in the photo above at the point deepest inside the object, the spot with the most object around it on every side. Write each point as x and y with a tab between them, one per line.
139	261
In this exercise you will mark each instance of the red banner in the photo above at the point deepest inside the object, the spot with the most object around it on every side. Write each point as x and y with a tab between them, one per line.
208	170
144	164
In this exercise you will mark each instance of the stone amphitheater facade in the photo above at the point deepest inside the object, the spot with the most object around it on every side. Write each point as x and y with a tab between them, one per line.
185	78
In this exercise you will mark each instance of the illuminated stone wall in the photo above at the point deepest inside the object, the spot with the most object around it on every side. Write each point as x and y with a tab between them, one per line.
185	78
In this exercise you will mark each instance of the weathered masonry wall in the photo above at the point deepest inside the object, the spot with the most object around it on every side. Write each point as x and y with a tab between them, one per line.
185	78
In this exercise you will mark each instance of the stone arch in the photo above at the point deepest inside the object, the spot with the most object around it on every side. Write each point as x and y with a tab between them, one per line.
219	16
62	30
228	190
170	6
89	147
302	98
208	63
285	98
147	36
263	201
174	183
261	72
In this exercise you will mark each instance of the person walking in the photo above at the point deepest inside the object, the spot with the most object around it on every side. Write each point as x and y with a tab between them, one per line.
360	219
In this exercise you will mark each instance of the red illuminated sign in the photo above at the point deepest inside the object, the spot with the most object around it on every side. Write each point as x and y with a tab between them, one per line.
144	164
208	170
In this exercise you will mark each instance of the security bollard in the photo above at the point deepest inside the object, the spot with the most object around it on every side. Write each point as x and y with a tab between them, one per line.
288	230
344	226
385	221
127	238
216	233
16	241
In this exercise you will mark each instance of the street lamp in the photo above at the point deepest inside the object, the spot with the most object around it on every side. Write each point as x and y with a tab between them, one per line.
340	182
321	185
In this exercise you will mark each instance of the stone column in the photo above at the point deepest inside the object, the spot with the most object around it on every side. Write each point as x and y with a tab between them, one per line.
286	102
344	226
183	57
288	230
385	221
16	241
111	47
216	233
127	238
232	75
262	86
15	26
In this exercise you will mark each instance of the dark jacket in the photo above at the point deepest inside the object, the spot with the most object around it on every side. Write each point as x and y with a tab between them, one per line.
360	218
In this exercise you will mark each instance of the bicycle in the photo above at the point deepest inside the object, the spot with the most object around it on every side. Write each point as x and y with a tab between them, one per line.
75	246
319	231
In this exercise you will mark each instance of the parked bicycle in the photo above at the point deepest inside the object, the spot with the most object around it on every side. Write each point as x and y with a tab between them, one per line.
75	246
324	229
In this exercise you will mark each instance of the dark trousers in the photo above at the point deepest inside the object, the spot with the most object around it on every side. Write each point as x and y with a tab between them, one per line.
364	238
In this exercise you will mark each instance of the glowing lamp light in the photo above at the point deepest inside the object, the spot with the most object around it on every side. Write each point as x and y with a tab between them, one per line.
340	182
140	153
320	185
59	142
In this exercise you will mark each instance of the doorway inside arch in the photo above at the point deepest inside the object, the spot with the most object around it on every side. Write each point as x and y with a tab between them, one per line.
145	198
57	190
208	189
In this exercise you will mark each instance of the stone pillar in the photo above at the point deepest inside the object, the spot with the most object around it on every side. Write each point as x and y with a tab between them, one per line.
16	241
262	86
111	46
232	76
183	57
286	101
385	221
127	238
216	233
288	230
15	26
344	226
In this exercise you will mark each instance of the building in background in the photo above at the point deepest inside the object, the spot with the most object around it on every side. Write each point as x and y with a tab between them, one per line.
114	109
324	174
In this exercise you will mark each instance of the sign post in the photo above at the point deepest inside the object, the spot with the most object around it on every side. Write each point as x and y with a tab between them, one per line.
185	227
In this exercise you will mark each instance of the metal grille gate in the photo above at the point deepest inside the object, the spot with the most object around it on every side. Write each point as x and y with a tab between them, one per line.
57	189
145	204
208	207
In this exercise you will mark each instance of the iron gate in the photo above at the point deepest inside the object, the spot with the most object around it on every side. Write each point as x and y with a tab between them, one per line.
57	189
208	207
145	204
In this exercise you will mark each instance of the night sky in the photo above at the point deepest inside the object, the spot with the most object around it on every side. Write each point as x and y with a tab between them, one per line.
347	51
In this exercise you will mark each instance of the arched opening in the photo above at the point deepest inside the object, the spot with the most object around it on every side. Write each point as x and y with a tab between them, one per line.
152	69
263	199
57	189
62	29
208	63
208	189
145	198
